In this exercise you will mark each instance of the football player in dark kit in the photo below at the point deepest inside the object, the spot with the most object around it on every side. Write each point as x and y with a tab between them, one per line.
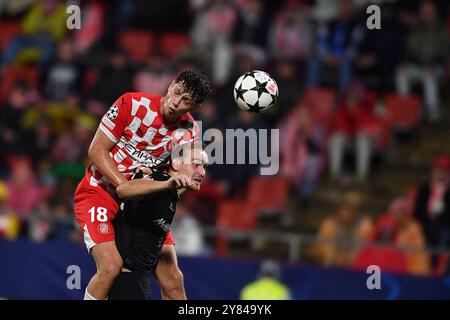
144	218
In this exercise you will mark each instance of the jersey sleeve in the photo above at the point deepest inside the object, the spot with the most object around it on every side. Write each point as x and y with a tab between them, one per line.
169	238
192	130
117	118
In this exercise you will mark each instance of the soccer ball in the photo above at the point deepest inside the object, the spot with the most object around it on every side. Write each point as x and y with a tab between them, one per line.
255	91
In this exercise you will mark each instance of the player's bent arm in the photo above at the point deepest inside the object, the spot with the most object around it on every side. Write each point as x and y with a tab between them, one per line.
140	187
98	153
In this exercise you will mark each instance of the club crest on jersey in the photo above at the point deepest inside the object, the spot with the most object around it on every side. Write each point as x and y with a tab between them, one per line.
104	228
113	112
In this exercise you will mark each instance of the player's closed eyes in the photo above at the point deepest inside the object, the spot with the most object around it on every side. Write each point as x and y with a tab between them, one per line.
187	100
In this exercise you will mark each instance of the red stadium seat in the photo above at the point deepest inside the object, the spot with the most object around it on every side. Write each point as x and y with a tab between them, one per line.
389	260
236	215
8	30
16	73
403	112
172	44
268	193
233	215
137	43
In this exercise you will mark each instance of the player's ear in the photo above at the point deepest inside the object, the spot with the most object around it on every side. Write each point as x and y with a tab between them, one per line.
176	164
196	107
171	85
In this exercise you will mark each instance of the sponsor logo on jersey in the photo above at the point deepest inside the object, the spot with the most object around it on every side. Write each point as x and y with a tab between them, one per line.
141	156
162	224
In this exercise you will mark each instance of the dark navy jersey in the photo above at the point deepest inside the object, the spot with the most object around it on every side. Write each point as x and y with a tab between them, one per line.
141	226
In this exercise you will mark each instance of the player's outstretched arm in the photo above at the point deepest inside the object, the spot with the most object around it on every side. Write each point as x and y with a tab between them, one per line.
99	155
140	187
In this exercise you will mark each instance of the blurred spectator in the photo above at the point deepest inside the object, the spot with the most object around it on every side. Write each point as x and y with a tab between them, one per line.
9	223
14	7
114	80
398	227
64	226
427	45
45	177
237	175
336	47
325	10
211	33
250	33
287	77
268	285
43	26
39	223
18	100
72	146
64	75
92	26
341	235
381	51
39	132
303	151
23	191
187	233
432	204
155	78
291	33
209	116
223	95
354	123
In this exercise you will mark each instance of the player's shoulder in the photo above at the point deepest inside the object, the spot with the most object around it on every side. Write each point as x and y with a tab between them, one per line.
143	95
187	121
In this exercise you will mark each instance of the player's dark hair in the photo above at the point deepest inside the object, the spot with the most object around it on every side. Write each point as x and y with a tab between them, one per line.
196	83
180	150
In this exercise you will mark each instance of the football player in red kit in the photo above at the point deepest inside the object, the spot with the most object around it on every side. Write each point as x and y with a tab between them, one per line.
138	130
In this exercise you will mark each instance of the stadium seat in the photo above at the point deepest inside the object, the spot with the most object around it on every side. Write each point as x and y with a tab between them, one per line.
236	215
172	44
16	73
268	194
8	30
389	260
322	100
137	43
233	215
403	112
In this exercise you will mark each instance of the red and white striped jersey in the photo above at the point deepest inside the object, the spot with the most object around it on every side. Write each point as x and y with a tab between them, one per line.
134	122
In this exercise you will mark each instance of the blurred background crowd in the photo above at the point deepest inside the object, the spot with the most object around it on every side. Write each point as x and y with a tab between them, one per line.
363	117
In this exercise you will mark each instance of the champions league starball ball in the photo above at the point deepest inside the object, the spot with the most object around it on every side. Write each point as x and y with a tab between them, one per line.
255	91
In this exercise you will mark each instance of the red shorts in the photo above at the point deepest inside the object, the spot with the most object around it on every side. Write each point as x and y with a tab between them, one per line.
95	210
